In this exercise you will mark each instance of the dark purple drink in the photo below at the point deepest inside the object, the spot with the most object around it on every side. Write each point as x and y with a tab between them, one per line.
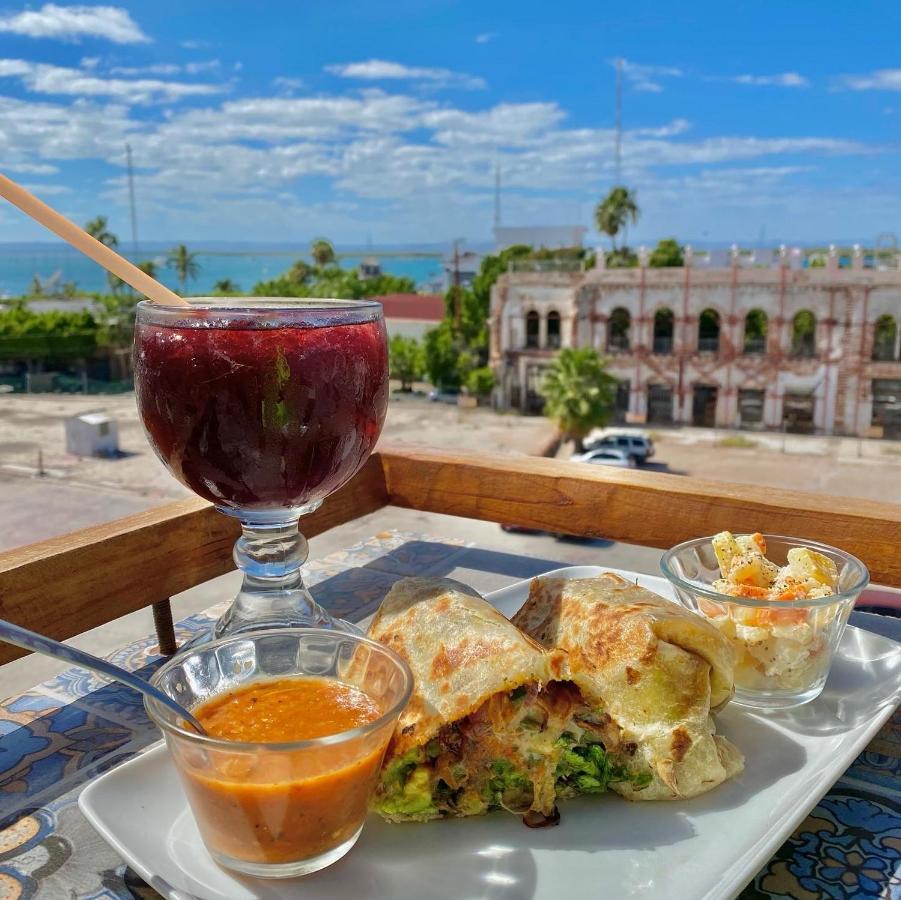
271	409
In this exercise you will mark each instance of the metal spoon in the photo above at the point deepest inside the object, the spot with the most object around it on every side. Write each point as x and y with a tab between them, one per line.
31	640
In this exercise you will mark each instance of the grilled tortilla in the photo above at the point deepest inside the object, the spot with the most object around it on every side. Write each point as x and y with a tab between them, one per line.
490	723
653	671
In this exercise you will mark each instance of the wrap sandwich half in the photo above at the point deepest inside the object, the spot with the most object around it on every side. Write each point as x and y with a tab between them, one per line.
651	670
490	719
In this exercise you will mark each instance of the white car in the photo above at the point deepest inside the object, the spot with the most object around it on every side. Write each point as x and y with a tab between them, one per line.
606	457
639	447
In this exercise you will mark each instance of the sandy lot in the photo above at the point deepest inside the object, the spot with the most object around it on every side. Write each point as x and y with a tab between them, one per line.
35	423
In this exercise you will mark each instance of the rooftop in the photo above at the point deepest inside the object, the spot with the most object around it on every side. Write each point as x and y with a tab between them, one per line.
419	307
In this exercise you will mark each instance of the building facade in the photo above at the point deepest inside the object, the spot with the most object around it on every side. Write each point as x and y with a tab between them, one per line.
812	350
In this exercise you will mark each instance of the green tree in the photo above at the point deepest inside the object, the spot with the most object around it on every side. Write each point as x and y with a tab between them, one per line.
36	288
442	354
579	393
617	210
342	284
406	360
480	381
622	258
184	263
301	272
322	252
149	267
115	317
97	229
667	254
226	286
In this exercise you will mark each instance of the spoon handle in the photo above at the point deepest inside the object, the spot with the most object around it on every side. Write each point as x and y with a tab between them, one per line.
31	640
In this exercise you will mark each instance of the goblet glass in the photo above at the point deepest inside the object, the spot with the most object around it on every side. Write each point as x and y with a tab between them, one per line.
264	406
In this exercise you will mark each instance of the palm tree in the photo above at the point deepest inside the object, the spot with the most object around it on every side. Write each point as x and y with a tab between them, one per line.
300	272
579	393
226	286
617	210
185	264
97	229
148	267
322	252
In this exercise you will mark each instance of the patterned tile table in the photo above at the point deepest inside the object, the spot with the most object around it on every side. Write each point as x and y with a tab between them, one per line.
59	735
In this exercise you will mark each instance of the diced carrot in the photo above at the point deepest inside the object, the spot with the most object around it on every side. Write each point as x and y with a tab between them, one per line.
760	540
763	617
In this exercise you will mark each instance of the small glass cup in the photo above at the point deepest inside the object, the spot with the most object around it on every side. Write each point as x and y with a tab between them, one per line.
783	648
283	809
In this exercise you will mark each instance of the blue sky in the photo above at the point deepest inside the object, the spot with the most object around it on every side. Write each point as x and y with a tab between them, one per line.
384	120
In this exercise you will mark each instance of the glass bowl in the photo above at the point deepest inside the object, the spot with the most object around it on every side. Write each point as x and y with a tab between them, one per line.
277	810
783	648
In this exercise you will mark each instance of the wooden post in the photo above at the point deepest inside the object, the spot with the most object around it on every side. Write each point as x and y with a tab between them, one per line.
165	630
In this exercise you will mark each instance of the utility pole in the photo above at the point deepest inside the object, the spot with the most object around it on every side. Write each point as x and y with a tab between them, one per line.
131	199
618	145
458	312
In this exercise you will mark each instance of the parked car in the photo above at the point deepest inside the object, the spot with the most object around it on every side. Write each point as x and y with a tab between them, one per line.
606	457
639	447
439	395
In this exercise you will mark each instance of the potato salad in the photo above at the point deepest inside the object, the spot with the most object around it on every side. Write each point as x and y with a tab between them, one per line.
777	648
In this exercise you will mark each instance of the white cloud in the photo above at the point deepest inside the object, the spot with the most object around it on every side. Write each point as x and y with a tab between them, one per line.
411	167
485	37
41	78
31	168
191	68
155	69
384	70
781	79
287	86
46	190
71	23
879	80
647	78
89	62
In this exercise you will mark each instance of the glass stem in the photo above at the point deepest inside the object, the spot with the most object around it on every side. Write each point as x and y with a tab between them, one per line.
272	593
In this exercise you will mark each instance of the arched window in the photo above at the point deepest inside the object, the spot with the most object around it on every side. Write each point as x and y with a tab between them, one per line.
618	329
884	338
553	330
755	331
532	329
709	331
804	334
663	331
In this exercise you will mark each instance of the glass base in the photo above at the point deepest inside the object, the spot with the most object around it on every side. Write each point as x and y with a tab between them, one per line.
777	700
287	870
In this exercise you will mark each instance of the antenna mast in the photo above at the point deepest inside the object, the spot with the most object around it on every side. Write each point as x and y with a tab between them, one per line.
619	121
131	200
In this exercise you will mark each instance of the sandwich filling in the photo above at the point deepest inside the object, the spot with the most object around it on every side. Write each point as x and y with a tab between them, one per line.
518	751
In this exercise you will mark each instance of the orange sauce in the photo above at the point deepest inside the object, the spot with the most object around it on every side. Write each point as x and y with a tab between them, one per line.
290	709
273	805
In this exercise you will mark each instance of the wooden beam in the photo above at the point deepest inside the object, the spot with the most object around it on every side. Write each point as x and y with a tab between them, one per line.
634	506
69	584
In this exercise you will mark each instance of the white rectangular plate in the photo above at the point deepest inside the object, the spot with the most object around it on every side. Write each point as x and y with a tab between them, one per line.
708	847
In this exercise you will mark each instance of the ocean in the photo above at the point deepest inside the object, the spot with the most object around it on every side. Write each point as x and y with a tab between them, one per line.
20	263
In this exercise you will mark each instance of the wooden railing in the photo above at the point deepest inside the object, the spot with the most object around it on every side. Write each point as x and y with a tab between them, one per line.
67	585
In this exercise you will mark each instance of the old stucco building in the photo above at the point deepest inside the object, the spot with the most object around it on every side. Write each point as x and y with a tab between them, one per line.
803	349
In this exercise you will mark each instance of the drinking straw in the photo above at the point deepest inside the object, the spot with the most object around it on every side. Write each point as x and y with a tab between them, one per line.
92	248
